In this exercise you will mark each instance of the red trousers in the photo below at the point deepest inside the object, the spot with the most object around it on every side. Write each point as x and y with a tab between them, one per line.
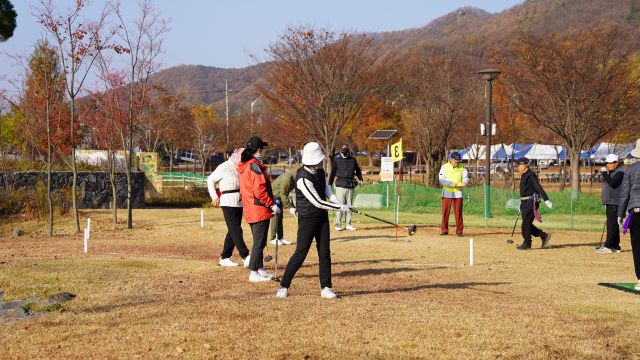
457	211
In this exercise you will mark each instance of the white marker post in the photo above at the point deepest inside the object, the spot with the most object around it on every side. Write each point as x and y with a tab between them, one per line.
202	218
471	251
88	228
86	237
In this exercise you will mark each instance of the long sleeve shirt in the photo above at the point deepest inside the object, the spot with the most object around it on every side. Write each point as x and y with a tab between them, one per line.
615	180
227	178
311	194
444	182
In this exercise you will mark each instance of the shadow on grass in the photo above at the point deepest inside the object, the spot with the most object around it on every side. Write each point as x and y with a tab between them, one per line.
424	287
560	246
364	272
361	237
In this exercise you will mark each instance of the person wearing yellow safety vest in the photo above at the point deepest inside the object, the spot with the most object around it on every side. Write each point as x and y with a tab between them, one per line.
453	177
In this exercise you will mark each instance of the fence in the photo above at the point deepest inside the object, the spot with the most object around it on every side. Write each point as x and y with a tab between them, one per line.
181	179
422	205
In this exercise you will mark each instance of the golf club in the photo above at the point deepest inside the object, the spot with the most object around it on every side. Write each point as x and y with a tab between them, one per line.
514	228
277	241
411	230
603	228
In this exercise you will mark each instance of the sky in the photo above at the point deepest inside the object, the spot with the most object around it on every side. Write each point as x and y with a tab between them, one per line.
224	33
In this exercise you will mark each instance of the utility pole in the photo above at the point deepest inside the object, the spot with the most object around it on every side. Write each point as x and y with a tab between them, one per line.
226	97
253	103
489	75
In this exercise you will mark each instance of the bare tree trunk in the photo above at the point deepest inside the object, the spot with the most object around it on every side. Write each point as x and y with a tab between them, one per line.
49	201
74	197
129	180
111	157
575	171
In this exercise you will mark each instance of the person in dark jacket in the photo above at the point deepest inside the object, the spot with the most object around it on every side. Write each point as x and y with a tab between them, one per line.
531	194
312	191
258	204
345	167
613	175
282	186
630	202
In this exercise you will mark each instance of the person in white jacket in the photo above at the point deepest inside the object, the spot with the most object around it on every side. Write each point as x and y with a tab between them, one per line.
229	201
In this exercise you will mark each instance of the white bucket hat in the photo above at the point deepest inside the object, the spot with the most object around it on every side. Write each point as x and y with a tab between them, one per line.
611	158
636	151
312	154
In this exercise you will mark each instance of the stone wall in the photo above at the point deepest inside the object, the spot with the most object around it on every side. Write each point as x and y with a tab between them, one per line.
94	186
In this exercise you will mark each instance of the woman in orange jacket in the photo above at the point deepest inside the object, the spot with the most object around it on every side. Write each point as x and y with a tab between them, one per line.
258	204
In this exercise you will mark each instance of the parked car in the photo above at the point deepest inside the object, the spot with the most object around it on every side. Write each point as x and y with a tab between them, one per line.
165	161
292	160
270	159
379	154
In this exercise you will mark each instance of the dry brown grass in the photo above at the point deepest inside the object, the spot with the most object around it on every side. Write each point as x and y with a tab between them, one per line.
146	292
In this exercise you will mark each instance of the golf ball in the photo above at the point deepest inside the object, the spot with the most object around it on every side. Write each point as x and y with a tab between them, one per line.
408	240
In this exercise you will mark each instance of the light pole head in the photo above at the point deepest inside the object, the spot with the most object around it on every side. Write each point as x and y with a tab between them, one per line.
489	74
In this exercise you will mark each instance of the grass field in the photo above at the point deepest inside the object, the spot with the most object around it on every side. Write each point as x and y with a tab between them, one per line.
156	291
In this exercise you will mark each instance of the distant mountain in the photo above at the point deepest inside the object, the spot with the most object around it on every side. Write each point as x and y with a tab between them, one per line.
465	29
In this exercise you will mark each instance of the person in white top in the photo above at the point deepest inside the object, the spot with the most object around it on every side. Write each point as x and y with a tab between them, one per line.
312	191
229	201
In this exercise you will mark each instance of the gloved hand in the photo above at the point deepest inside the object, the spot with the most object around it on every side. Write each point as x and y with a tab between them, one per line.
334	199
549	204
621	221
346	209
275	209
361	183
292	211
603	170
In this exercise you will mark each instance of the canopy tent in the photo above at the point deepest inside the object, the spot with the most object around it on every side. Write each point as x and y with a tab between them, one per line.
601	151
543	152
476	151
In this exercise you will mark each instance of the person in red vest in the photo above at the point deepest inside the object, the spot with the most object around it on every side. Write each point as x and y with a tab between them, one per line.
258	205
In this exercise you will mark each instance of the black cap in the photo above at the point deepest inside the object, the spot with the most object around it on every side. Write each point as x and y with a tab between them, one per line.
455	156
256	143
344	148
523	161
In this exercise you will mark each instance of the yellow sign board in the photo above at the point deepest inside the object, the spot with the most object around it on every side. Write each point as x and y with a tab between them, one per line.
396	151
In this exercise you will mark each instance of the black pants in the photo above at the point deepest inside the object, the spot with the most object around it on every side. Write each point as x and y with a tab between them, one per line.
613	229
276	221
528	229
260	230
234	238
635	242
308	229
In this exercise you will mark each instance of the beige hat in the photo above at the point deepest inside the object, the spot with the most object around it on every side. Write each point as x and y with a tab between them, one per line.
636	151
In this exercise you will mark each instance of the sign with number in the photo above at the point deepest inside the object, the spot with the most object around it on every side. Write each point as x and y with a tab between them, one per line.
396	151
386	169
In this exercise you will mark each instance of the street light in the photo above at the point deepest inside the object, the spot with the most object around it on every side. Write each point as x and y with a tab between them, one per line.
489	75
252	103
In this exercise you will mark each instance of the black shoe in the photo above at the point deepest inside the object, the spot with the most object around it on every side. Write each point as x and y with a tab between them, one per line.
459	234
524	247
545	240
444	233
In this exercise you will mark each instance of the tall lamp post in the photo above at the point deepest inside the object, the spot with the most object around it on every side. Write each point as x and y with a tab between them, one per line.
489	75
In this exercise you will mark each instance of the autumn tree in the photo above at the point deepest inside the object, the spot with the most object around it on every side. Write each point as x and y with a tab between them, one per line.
439	92
142	43
41	104
207	132
580	87
164	112
324	81
78	42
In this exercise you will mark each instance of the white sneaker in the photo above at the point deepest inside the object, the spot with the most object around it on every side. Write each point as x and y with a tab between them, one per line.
282	292
638	285
266	274
349	227
338	228
246	261
256	277
327	293
284	242
227	262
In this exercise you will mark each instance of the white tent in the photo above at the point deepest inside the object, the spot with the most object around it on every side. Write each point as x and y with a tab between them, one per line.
100	159
604	149
543	152
476	151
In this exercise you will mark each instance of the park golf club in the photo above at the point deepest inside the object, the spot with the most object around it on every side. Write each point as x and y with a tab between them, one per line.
275	276
514	228
411	230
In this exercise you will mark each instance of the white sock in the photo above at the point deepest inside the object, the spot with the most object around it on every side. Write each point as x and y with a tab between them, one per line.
262	270
254	272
